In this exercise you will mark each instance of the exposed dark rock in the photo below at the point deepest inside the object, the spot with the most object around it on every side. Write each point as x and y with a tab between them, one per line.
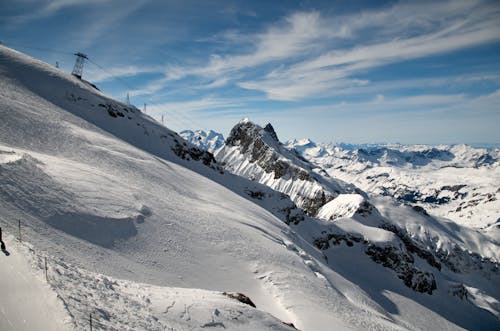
398	259
459	260
335	239
112	110
402	263
459	290
291	325
411	246
292	214
420	210
255	194
365	209
196	154
485	159
453	188
312	205
437	201
269	129
265	152
240	297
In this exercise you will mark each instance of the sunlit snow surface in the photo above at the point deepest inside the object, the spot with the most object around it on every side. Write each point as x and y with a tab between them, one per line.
146	240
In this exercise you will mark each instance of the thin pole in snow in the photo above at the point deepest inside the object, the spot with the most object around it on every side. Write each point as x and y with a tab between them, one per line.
20	239
90	320
46	275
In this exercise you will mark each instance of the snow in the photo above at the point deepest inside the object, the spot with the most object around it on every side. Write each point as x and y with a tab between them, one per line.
481	299
344	205
26	302
458	182
82	194
8	157
144	239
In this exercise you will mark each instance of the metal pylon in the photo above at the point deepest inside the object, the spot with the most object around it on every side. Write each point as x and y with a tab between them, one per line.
78	68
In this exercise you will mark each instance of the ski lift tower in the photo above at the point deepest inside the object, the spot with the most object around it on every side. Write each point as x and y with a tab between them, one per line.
78	68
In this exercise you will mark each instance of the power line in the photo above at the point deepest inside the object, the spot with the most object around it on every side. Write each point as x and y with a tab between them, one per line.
49	50
112	75
178	115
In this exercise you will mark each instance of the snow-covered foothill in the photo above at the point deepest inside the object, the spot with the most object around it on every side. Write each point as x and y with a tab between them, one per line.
458	182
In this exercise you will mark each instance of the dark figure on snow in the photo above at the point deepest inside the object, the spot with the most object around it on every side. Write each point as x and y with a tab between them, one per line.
1	240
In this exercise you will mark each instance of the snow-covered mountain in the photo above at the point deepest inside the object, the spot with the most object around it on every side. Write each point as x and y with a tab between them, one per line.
253	152
145	231
458	182
210	141
256	153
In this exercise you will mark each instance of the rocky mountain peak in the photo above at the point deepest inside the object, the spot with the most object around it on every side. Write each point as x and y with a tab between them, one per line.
269	129
246	132
256	153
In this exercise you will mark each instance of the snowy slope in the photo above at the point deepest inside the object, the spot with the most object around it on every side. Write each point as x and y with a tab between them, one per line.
97	201
458	182
145	218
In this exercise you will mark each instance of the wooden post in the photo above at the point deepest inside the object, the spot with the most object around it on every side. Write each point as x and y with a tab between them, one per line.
20	239
90	321
46	275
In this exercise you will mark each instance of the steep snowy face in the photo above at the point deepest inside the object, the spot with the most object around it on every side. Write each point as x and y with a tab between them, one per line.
210	141
459	182
256	153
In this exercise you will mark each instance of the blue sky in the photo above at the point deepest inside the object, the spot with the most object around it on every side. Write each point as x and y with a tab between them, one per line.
332	71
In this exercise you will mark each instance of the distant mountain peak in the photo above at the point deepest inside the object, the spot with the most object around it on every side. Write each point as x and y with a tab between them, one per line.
207	140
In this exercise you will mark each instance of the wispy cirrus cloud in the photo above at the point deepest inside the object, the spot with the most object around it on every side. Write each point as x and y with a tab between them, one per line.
467	26
309	55
50	7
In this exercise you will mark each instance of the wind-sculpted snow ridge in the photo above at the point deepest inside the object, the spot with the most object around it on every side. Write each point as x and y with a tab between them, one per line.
209	141
133	223
458	182
256	153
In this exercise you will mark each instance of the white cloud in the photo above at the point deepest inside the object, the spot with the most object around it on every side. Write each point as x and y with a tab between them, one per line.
306	54
455	29
293	37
